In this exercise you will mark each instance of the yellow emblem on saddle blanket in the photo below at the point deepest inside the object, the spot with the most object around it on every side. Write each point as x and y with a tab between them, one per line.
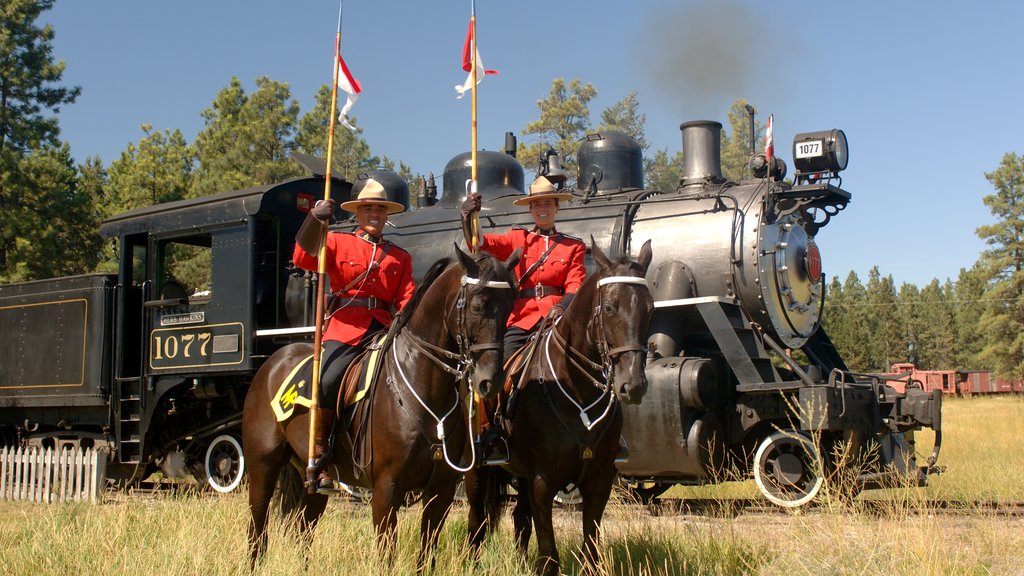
295	390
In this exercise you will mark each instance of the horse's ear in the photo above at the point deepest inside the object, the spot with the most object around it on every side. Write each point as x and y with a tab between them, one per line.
599	256
468	263
513	258
645	256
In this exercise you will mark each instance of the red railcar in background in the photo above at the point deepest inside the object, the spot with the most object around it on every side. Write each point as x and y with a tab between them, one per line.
952	382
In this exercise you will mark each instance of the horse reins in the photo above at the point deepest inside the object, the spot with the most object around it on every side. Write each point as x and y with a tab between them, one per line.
464	358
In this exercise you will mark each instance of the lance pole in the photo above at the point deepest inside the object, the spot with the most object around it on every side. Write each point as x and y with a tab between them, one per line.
474	224
322	262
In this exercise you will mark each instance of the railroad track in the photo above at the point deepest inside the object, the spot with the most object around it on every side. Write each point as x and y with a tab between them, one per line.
738	506
726	507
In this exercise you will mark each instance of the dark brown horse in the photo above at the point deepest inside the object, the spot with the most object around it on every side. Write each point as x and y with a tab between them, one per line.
564	422
416	428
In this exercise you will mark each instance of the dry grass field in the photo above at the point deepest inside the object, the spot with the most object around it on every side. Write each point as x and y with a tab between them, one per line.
200	535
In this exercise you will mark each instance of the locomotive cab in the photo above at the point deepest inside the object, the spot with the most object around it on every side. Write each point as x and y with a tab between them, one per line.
205	293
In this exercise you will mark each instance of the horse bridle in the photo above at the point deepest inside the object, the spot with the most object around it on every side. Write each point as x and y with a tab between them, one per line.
465	358
608	356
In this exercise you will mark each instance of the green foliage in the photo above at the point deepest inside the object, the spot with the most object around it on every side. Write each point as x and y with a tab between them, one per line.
1003	319
564	121
625	116
736	145
56	224
350	151
662	172
247	139
158	169
29	93
968	292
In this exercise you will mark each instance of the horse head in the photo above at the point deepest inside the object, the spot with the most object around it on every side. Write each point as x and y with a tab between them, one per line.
623	306
489	289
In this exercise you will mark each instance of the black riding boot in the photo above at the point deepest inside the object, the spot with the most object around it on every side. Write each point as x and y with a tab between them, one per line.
322	482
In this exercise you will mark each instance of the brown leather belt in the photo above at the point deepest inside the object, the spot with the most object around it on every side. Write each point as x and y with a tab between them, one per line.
373	303
540	291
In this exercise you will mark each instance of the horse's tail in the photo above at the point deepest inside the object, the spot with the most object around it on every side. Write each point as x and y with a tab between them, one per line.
290	487
494	482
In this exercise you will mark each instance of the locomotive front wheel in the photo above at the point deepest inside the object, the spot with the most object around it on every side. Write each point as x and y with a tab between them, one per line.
225	465
787	469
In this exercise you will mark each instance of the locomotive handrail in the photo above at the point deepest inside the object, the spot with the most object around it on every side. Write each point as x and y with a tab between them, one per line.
285	331
694	301
165	303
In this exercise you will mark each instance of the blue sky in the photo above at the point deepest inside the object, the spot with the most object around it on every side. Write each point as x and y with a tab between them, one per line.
927	94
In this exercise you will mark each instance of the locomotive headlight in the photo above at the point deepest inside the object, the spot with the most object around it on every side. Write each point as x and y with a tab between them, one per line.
823	151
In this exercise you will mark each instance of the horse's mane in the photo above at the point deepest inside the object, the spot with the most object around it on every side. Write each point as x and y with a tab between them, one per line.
402	319
489	273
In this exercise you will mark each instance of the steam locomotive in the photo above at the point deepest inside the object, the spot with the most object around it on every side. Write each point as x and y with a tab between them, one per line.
739	289
152	364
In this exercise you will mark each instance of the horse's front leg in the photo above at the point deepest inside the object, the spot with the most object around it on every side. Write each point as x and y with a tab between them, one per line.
595	492
385	504
542	497
437	502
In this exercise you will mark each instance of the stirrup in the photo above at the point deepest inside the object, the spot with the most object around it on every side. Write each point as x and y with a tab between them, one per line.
494	449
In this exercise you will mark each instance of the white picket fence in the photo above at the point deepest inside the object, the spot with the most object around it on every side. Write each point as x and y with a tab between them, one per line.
48	475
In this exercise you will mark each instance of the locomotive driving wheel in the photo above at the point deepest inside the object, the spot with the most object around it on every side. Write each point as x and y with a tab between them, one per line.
224	465
787	469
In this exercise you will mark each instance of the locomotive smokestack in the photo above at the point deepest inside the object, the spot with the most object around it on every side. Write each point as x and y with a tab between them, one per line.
702	152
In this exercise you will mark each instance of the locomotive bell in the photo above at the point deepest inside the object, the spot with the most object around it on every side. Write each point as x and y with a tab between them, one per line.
551	167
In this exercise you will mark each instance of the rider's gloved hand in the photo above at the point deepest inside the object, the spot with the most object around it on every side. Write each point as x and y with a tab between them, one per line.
471	204
324	210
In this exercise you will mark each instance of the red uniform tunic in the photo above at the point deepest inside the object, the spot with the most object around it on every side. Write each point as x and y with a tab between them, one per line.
563	268
348	256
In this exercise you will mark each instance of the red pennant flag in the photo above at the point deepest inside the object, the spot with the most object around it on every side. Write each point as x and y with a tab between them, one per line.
348	84
467	63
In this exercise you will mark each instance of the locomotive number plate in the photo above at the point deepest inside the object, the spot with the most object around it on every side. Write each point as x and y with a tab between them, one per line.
196	346
811	149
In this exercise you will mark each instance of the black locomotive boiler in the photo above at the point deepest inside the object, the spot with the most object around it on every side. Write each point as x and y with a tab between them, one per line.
739	289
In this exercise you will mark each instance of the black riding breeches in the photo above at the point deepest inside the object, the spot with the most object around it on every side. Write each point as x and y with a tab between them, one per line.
335	360
515	338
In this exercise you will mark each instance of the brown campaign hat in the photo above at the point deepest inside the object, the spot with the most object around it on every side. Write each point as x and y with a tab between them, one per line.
540	189
373	193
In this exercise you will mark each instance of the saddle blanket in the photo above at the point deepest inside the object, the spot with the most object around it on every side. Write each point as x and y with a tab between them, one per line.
298	385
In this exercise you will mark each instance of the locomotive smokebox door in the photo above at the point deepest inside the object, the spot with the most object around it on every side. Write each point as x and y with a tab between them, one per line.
789	270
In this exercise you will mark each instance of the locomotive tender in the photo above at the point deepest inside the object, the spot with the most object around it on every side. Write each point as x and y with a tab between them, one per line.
156	374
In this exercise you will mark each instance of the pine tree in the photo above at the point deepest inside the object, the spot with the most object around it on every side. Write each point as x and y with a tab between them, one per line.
247	139
351	152
1002	323
564	121
155	170
29	94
